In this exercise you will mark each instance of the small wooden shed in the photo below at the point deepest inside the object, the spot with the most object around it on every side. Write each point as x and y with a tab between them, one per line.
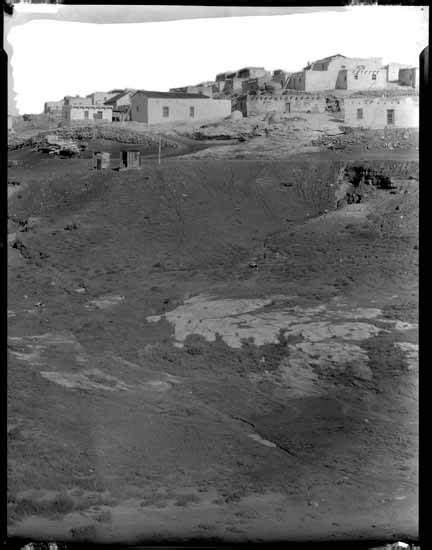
101	160
130	159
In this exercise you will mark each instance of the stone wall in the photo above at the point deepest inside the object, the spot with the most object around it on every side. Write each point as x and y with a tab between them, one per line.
304	104
374	112
256	105
260	104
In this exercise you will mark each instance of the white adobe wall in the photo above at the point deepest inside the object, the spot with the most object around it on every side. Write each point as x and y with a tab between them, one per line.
179	109
296	81
316	81
364	80
375	112
77	113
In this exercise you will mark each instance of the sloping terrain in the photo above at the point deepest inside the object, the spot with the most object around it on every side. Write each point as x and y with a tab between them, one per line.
212	350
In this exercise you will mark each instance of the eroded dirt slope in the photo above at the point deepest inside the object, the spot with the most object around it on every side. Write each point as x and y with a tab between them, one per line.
212	350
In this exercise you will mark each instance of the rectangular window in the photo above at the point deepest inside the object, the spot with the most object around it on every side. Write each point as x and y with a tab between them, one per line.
86	114
356	76
359	114
165	112
373	76
390	116
97	115
191	111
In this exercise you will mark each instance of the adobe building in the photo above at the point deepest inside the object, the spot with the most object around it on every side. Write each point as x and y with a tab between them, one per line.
280	76
235	81
160	107
325	74
98	98
203	88
76	100
232	83
409	77
252	72
335	63
54	108
382	112
87	113
221	77
393	71
120	104
361	79
254	84
220	81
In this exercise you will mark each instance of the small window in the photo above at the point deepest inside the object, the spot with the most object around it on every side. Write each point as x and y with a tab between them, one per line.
86	114
356	76
359	114
191	111
165	112
390	116
373	76
137	108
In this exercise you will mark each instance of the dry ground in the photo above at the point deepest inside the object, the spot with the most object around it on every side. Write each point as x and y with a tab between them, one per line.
211	350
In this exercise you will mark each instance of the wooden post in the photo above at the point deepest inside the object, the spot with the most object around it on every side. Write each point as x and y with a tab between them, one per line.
160	145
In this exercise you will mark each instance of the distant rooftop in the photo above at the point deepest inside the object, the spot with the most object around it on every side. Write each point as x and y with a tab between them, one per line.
112	100
171	95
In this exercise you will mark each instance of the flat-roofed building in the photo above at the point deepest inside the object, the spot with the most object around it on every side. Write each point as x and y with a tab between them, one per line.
87	113
159	107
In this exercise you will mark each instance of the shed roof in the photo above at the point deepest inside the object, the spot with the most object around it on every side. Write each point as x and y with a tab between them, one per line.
171	95
112	100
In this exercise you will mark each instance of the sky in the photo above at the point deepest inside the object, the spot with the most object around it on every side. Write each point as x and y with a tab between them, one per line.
53	58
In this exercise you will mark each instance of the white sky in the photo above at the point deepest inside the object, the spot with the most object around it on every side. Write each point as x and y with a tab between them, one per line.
52	59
